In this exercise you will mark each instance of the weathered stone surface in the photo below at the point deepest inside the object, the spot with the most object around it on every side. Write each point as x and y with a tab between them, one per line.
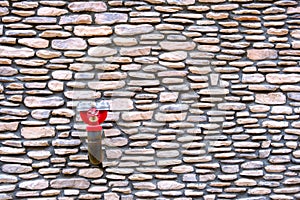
283	78
75	19
102	51
8	71
34	185
203	99
8	178
37	132
135	115
128	30
253	78
40	102
12	52
106	85
169	185
16	168
110	18
50	11
261	54
174	56
69	44
91	173
275	98
89	6
75	183
8	126
232	106
294	96
92	31
135	51
11	150
173	46
295	34
34	42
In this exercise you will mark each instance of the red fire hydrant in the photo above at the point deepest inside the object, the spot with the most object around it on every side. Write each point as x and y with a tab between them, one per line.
93	114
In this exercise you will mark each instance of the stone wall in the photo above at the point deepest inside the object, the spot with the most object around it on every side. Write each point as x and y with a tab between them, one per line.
204	99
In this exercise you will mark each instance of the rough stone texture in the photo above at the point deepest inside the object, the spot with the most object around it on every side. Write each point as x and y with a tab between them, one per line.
40	102
12	52
69	44
37	132
76	183
204	99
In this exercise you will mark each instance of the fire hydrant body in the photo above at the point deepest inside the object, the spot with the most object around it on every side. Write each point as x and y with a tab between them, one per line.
93	114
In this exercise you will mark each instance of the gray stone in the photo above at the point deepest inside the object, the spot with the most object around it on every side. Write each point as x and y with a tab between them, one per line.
16	168
69	44
128	30
110	18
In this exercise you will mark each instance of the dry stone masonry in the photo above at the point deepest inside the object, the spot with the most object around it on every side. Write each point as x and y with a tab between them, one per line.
204	98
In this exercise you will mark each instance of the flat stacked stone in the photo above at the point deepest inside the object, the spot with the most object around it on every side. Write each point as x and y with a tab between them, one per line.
204	99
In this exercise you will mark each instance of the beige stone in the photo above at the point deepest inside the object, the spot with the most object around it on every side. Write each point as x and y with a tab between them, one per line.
170	117
262	54
102	51
12	52
34	42
295	34
34	184
55	34
275	124
170	185
50	11
127	41
106	85
8	126
38	102
275	98
56	86
88	31
11	150
91	173
135	51
137	115
173	46
174	56
76	183
253	78
4	178
37	132
283	78
115	142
